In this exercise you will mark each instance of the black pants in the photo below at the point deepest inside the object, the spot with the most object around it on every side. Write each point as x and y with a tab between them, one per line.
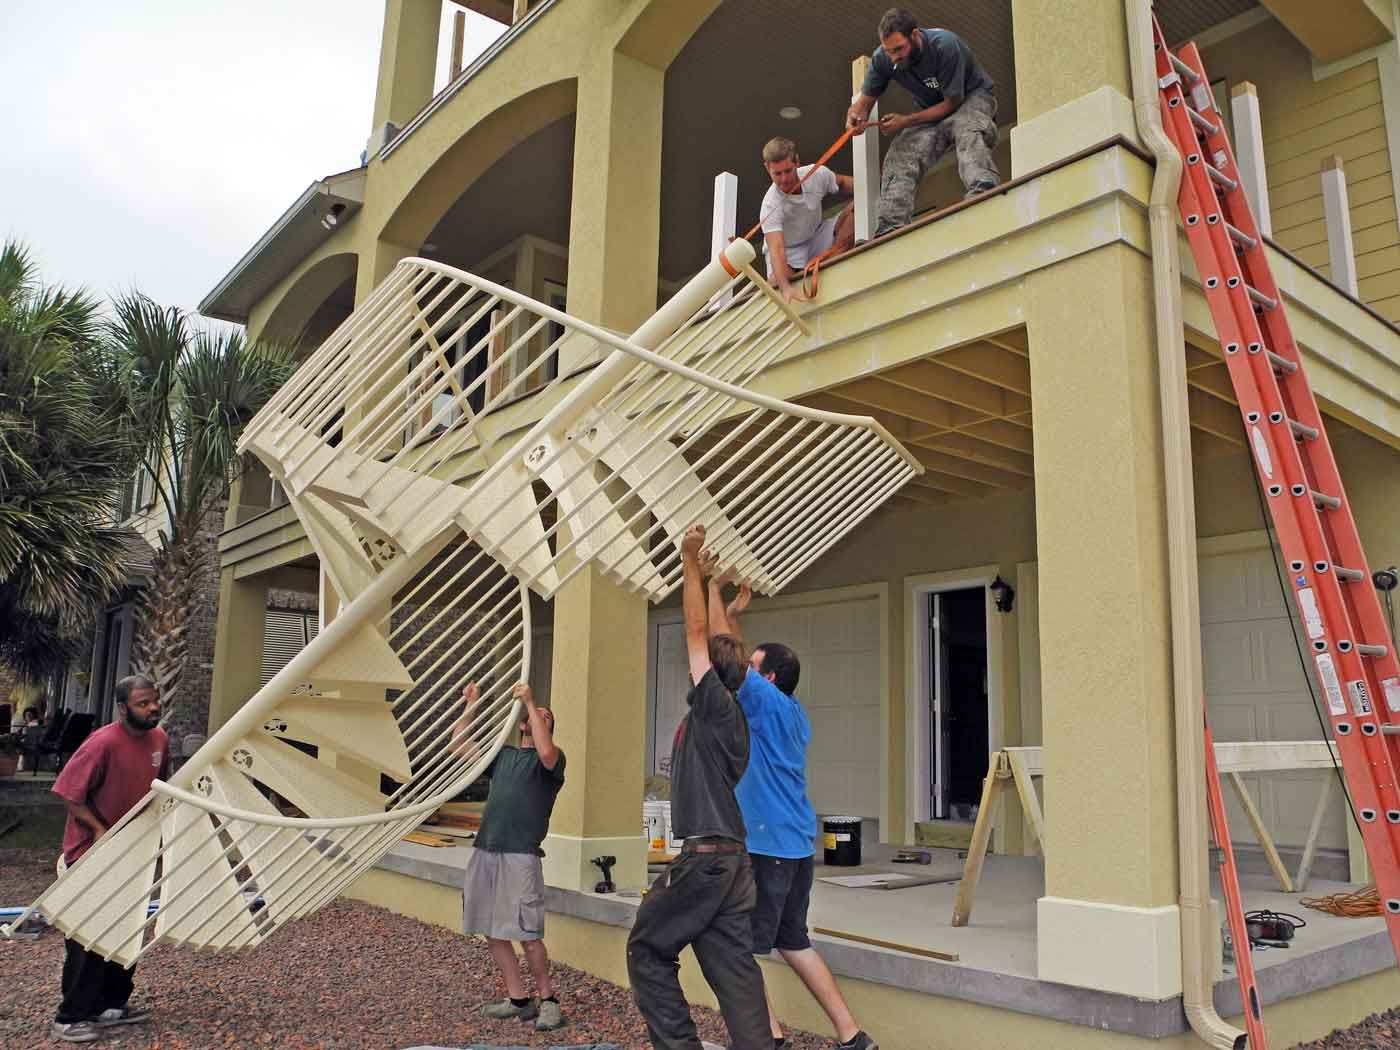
91	984
703	900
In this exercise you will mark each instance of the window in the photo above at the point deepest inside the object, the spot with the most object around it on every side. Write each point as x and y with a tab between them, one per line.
286	632
145	486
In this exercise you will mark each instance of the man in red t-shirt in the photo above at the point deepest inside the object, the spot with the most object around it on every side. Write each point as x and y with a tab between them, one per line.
110	773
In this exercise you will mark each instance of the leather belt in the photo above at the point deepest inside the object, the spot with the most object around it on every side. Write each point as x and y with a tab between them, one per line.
713	847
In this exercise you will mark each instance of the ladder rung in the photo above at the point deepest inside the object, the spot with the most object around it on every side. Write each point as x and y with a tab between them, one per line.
1241	238
1186	72
1389	730
1280	363
1201	122
1221	178
1260	298
1321	499
1371	650
1354	575
1302	430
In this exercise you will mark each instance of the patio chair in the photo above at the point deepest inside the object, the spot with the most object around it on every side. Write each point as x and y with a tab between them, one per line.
39	741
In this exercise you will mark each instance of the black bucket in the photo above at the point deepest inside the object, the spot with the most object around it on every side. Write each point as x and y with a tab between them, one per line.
841	841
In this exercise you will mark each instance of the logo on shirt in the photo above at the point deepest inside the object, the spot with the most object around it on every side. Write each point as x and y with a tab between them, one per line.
932	82
155	759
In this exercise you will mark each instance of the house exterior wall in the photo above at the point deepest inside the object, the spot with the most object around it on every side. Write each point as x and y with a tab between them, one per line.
1307	117
1065	257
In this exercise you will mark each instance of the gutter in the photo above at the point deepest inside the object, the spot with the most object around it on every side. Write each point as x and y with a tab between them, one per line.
1198	932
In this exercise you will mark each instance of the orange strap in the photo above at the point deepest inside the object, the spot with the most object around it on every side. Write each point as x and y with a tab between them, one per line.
844	138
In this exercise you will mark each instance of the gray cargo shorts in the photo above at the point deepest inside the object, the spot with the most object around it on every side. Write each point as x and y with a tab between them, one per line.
503	896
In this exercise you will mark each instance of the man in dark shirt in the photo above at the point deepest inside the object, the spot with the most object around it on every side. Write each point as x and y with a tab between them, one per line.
503	896
109	773
707	893
957	110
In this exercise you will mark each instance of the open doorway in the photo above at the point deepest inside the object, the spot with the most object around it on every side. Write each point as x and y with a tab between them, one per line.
958	691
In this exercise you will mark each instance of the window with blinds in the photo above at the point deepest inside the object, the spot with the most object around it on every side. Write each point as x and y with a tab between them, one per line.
285	633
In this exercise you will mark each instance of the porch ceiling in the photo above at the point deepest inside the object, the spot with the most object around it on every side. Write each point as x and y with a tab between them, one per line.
752	57
966	414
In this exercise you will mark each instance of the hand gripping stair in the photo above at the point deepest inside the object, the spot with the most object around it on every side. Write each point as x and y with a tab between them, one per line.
404	446
1353	655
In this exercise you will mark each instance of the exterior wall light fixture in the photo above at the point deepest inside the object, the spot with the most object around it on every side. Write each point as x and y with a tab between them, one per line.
1003	595
331	219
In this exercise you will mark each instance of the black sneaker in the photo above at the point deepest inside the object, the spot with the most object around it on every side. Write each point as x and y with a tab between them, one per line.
859	1041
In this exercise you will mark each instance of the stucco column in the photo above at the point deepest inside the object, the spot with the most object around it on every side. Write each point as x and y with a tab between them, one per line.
598	694
238	645
615	216
1073	87
1108	919
407	62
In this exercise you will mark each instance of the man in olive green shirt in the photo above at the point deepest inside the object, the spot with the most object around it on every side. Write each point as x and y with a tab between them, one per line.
504	893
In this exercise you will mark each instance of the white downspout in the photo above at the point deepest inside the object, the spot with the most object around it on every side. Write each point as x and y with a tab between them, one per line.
1199	935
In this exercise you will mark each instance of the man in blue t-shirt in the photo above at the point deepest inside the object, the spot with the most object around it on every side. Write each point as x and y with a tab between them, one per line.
957	108
780	823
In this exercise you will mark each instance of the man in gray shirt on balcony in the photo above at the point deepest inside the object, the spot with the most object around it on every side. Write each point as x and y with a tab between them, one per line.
958	106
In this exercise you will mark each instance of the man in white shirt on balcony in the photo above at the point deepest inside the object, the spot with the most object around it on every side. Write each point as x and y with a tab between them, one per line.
794	232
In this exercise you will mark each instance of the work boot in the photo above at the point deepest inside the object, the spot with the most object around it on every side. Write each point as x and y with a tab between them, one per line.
505	1010
551	1017
73	1031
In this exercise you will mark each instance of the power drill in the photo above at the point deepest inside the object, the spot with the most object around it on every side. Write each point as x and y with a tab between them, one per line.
605	865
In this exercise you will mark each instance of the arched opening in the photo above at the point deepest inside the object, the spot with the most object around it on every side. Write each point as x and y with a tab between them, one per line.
315	303
511	226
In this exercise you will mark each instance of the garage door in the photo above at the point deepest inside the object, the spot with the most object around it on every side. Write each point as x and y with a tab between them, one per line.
839	646
1256	685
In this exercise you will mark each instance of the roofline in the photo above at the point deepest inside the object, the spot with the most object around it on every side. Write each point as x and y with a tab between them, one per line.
321	187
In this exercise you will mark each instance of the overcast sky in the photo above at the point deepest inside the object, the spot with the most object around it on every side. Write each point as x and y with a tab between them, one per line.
149	143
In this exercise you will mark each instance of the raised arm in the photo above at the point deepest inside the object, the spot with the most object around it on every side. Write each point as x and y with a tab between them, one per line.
462	742
697	637
541	726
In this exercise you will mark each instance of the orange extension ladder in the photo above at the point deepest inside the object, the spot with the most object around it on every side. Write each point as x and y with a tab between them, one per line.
1254	1036
1352	653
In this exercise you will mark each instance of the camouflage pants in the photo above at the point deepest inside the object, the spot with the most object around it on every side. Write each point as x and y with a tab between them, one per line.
971	130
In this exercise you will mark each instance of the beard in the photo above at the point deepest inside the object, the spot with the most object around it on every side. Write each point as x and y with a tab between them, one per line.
142	724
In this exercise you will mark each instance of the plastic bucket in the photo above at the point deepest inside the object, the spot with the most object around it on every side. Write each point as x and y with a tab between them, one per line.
841	841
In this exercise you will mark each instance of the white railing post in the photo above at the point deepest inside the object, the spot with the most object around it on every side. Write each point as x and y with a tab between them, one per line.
1249	153
865	166
724	223
1336	214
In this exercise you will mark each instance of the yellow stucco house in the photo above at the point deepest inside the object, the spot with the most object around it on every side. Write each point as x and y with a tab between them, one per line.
1021	345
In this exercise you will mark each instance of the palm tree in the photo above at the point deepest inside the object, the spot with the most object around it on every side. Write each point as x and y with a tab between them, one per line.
65	450
190	393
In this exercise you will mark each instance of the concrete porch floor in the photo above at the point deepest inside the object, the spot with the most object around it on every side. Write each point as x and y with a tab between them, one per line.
997	952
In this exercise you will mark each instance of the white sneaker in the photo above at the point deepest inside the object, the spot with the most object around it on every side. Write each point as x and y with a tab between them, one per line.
73	1031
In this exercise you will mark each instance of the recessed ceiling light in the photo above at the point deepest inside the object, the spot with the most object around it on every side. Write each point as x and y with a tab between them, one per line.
789	112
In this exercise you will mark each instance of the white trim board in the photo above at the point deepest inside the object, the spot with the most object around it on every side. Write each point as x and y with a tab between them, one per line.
917	771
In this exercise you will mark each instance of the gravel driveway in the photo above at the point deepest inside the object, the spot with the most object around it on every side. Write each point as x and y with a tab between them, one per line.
351	977
355	977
